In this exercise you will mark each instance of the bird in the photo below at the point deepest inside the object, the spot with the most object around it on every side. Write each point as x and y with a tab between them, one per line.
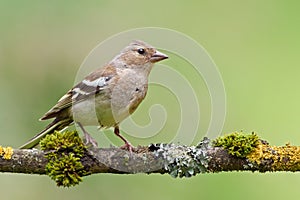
106	96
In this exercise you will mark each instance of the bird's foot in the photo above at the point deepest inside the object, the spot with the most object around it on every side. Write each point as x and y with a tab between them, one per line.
127	146
89	141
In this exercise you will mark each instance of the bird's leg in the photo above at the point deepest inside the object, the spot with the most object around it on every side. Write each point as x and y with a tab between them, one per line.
88	138
127	144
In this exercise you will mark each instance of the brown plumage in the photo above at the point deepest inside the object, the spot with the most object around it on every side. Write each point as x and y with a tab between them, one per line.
107	95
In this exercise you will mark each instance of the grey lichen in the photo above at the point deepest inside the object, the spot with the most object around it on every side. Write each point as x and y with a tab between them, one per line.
184	161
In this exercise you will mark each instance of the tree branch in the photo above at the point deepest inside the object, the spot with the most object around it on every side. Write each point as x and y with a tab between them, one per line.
176	160
118	161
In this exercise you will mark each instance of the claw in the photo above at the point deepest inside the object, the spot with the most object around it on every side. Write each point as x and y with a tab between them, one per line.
127	146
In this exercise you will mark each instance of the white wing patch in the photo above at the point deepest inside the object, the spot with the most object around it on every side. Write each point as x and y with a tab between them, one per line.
100	82
86	88
77	92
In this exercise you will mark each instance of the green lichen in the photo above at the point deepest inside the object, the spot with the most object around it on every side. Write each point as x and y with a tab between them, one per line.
64	151
63	141
238	144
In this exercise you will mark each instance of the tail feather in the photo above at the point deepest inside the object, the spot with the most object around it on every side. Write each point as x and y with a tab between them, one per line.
57	124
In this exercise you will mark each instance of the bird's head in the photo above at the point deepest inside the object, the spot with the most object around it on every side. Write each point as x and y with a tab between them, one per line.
139	55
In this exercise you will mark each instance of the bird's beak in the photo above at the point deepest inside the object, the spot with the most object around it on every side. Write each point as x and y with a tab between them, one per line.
158	56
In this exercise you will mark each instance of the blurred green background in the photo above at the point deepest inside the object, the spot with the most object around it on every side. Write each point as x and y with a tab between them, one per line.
255	45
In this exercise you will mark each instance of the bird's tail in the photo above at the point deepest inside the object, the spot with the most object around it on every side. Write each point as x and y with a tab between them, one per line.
57	124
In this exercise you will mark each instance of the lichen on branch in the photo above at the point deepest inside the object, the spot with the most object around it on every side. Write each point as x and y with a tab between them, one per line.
273	158
66	160
64	151
6	152
238	144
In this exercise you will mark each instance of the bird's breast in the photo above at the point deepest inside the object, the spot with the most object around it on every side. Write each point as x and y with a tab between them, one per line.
115	103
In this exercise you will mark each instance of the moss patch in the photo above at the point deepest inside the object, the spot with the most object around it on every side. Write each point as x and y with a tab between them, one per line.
64	151
238	144
6	152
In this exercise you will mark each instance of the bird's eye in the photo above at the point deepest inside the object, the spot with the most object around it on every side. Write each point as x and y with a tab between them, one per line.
141	51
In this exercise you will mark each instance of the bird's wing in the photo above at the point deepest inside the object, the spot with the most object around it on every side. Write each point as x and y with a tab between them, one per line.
93	84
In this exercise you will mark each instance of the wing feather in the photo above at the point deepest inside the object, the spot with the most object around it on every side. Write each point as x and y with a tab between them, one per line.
93	84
